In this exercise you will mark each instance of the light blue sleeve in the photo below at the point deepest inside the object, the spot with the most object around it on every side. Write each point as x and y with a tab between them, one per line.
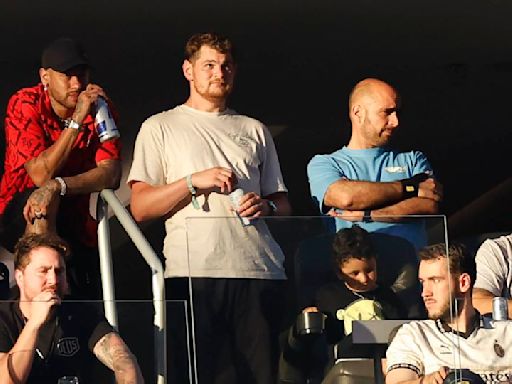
421	164
322	172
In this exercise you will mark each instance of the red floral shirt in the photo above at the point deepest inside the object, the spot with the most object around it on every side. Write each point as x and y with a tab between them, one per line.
31	126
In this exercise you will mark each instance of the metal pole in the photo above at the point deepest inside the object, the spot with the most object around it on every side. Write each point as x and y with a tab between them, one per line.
157	279
107	275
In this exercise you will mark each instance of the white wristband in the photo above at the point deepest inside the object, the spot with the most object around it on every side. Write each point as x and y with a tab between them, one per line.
73	124
193	192
63	186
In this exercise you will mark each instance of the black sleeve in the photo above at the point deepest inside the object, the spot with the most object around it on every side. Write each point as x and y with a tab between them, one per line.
5	342
8	328
102	328
92	322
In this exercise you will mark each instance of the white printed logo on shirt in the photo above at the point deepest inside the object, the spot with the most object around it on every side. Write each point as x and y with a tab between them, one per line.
396	169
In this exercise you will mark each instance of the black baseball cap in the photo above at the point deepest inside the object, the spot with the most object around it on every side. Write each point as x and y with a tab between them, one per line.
64	54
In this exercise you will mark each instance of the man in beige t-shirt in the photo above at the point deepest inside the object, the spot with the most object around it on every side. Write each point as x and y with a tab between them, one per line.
187	161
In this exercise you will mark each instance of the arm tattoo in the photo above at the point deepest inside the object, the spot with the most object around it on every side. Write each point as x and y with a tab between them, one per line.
114	353
42	195
103	353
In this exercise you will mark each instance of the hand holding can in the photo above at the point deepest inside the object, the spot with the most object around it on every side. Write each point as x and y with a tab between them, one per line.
235	198
105	124
499	309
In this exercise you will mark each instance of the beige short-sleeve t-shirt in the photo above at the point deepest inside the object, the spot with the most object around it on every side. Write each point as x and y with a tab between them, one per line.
211	241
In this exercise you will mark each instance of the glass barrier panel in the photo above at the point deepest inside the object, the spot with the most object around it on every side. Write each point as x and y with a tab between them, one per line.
283	272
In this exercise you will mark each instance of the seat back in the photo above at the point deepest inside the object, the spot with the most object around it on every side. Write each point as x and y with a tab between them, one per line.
351	371
313	268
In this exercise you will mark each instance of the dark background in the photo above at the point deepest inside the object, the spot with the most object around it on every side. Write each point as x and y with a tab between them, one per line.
450	60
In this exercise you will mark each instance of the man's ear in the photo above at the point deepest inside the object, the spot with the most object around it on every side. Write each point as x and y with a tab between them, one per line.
44	76
357	111
18	276
464	282
187	70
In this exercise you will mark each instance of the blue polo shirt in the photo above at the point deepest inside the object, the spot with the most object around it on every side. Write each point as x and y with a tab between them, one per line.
374	164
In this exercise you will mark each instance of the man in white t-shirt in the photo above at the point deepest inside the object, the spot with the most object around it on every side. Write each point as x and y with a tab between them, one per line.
456	336
493	273
187	161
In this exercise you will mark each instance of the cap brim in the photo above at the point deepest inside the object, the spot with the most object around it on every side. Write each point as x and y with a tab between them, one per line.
66	66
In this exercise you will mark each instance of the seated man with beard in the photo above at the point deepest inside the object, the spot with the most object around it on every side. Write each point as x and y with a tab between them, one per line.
456	336
43	338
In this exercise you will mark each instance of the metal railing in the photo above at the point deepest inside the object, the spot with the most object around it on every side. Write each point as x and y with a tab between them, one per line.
107	198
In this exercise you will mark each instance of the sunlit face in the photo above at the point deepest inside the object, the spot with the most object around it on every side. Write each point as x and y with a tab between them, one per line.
64	87
360	275
380	116
439	289
210	73
45	272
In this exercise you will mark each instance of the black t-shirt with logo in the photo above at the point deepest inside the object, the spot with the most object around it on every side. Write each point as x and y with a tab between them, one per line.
64	344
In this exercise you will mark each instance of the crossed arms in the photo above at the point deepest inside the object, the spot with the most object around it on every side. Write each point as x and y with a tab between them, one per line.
382	198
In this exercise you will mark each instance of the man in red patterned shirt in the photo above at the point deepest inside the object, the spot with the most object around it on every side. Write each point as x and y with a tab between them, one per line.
54	160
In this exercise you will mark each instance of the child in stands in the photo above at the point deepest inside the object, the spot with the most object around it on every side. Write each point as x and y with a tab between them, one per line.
354	296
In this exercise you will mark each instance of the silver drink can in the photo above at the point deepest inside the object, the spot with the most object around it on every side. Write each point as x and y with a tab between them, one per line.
499	309
105	124
235	197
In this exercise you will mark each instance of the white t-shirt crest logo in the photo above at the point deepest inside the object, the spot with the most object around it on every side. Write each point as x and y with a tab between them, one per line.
240	140
396	169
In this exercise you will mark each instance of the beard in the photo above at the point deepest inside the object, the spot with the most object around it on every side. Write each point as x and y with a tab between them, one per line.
68	100
214	91
450	309
377	135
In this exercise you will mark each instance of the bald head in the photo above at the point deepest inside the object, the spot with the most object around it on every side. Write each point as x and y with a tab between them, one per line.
366	90
373	113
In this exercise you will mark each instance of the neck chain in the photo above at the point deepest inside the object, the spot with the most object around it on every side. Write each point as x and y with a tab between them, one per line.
355	293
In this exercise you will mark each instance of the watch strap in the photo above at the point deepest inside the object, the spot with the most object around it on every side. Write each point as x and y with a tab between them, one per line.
273	207
73	124
367	216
